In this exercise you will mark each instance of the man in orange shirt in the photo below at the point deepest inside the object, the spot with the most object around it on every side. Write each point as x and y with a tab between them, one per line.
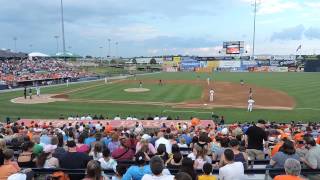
292	168
9	167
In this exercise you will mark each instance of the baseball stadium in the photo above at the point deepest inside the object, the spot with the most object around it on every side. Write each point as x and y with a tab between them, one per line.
155	90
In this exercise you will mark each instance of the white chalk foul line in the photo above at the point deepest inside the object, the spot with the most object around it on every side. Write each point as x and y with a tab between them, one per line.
166	110
314	109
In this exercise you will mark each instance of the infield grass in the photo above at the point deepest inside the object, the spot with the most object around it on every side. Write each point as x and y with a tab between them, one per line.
303	87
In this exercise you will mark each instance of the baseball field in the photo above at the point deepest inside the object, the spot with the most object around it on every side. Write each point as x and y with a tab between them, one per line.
279	97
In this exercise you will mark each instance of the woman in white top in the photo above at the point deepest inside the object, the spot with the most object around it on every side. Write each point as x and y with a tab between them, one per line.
46	160
96	152
106	161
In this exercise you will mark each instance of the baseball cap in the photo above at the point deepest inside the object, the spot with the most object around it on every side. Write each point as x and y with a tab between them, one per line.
49	148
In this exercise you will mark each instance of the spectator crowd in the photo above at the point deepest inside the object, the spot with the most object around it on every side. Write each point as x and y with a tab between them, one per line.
36	69
136	153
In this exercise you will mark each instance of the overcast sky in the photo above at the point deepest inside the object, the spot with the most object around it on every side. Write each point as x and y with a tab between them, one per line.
156	27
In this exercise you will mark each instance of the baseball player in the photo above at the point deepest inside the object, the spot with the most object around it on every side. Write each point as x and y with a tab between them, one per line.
250	93
211	93
38	91
242	82
208	81
30	93
250	104
160	82
140	84
25	93
105	80
67	82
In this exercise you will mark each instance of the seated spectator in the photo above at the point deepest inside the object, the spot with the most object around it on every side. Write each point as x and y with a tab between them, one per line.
137	171
58	141
312	158
96	153
46	159
94	171
286	151
218	152
157	167
187	167
175	162
37	148
114	144
207	170
119	172
161	151
292	168
182	176
201	157
81	146
74	160
238	156
89	140
44	138
148	146
123	152
232	170
2	148
162	140
107	162
9	167
27	158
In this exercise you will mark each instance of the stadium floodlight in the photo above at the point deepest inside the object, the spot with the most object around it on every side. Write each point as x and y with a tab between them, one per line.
62	29
254	29
15	43
57	40
109	48
117	43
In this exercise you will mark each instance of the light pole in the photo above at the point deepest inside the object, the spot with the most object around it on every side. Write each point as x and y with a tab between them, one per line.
117	43
254	28
109	48
100	54
62	28
15	43
57	41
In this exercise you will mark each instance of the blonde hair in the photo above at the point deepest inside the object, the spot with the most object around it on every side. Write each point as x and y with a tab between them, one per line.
2	144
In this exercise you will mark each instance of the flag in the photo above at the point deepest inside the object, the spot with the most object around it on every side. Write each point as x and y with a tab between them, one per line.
299	47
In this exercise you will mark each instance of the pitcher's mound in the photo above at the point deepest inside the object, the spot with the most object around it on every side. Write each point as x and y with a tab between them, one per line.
44	98
136	90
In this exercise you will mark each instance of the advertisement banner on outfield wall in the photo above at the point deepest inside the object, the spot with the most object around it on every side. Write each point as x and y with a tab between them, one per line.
229	64
262	58
283	63
278	69
247	64
204	70
262	69
261	63
169	63
283	58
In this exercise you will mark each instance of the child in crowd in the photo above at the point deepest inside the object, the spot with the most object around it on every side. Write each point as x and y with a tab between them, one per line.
207	170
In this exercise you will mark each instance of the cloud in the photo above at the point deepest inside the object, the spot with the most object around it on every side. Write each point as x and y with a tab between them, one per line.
312	33
293	33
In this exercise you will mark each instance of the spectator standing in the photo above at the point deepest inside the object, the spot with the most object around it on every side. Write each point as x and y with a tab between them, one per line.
292	168
157	167
255	135
74	160
232	170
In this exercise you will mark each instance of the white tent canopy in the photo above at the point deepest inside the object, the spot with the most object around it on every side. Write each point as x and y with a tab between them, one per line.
37	54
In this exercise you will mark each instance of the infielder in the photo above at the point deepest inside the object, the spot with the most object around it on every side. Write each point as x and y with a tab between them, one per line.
208	80
140	84
211	94
250	104
105	80
250	93
38	91
242	82
67	82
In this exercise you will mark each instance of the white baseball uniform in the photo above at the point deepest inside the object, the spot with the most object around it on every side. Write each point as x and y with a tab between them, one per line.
105	80
250	104
211	92
208	81
38	91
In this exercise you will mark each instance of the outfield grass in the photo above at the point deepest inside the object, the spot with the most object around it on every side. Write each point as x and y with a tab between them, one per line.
303	87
